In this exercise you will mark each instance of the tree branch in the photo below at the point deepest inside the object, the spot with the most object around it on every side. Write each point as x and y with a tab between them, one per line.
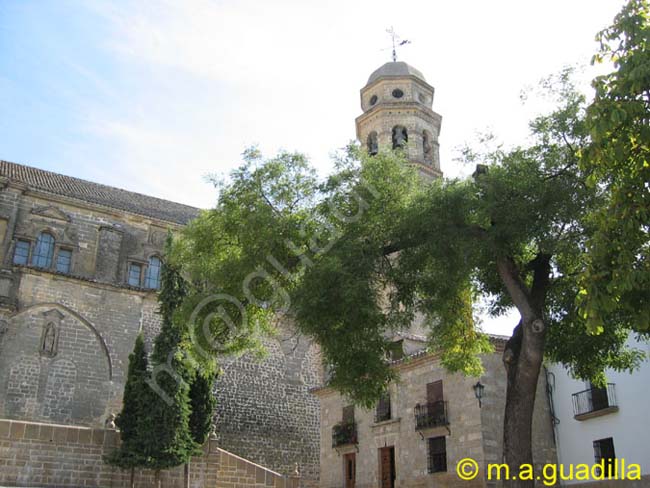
519	293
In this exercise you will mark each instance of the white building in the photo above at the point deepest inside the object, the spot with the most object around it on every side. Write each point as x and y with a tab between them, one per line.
612	422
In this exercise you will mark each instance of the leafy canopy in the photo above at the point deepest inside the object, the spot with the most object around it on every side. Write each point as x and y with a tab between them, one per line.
374	249
618	159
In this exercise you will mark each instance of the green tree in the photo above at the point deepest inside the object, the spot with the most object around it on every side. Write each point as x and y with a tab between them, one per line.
202	405
133	451
618	159
170	439
354	258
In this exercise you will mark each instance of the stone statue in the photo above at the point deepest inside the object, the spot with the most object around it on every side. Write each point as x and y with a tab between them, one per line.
48	345
110	422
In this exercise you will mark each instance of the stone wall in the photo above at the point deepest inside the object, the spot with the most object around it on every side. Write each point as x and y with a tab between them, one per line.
74	374
265	409
35	454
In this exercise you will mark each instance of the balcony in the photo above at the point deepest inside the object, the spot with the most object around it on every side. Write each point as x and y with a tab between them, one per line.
594	402
431	415
344	434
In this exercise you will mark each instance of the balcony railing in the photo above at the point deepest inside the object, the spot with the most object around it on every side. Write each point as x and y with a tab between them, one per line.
431	415
344	433
594	401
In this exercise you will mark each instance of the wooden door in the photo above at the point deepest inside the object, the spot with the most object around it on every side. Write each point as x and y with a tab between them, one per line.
350	469
387	467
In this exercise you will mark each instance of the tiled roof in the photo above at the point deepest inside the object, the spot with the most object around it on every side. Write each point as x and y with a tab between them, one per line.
104	195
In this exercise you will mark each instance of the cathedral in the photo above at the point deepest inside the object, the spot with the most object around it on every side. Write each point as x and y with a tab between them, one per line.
80	266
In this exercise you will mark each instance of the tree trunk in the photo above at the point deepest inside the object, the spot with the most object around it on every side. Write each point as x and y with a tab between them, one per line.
158	480
132	482
187	474
523	362
522	359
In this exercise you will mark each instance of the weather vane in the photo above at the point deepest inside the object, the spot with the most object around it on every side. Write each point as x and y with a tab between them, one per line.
396	42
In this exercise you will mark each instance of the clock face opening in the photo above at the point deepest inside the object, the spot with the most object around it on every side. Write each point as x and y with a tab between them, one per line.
397	93
373	99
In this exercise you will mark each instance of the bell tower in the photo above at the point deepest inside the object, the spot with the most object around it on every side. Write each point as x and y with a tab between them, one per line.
397	113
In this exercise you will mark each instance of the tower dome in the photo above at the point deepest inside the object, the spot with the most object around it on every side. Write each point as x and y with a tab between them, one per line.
395	68
397	113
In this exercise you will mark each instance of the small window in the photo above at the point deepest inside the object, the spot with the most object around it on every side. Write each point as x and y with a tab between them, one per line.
64	260
135	273
604	450
396	350
152	279
21	252
437	455
373	99
44	251
397	93
383	408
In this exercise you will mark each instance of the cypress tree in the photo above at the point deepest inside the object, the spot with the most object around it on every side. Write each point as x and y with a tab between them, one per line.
202	403
132	452
171	440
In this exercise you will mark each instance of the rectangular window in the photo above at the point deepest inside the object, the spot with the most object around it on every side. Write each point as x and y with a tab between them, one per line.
21	252
383	408
135	274
437	454
64	260
396	351
604	450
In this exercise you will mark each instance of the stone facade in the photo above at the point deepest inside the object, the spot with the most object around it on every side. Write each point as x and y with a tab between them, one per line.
66	331
468	430
33	454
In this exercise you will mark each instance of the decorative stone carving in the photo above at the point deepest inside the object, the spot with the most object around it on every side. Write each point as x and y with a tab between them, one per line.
50	338
51	212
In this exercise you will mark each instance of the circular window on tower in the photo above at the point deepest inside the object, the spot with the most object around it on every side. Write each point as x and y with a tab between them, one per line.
422	98
373	99
397	93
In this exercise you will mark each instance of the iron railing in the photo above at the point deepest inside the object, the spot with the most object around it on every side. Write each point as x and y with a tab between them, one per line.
594	399
430	415
344	433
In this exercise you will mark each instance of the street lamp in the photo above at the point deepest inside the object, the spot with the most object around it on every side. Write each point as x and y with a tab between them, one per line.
478	392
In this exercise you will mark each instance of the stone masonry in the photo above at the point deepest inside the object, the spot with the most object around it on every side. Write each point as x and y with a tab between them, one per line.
65	336
66	456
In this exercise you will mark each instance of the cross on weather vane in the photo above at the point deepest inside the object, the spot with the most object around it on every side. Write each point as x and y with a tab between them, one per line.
396	42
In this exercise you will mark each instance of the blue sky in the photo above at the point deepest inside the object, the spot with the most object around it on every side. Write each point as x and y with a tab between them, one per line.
152	96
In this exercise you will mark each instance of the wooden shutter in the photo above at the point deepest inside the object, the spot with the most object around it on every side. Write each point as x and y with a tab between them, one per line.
434	392
348	414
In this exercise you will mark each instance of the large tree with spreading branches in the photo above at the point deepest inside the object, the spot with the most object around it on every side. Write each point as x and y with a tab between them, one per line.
353	259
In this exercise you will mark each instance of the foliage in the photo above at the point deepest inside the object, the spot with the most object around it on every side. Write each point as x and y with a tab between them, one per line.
133	449
353	259
202	405
169	438
618	160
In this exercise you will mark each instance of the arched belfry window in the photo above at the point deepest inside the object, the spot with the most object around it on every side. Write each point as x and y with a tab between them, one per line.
44	251
400	137
152	278
426	146
373	144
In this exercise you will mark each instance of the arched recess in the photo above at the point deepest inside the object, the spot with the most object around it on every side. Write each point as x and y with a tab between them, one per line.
68	311
400	137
